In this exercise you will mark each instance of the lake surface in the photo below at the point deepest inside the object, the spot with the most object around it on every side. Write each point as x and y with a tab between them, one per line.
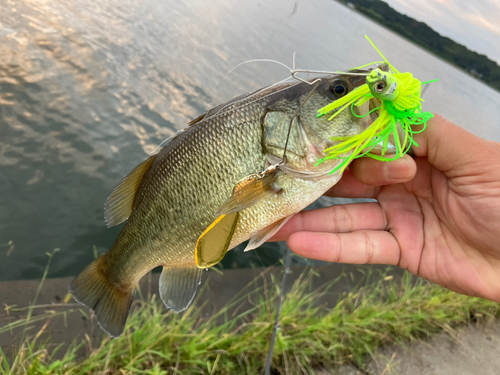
89	88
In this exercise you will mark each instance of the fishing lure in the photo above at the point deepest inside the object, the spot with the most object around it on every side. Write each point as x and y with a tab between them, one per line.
400	103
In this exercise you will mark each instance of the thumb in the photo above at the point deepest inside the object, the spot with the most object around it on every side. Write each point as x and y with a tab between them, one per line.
452	149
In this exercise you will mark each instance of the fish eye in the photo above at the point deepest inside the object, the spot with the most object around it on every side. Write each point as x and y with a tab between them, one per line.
380	86
339	89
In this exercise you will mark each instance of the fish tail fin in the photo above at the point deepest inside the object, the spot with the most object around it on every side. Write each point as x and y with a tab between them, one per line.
109	301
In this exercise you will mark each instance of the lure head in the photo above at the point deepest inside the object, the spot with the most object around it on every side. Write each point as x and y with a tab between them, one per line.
382	85
400	94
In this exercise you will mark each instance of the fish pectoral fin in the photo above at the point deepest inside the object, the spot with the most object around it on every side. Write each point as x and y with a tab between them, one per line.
265	234
213	243
251	190
120	203
178	286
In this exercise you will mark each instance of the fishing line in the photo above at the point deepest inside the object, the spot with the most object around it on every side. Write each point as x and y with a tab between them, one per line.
426	87
164	142
316	82
287	258
220	111
210	115
249	96
293	75
244	63
217	90
276	321
401	107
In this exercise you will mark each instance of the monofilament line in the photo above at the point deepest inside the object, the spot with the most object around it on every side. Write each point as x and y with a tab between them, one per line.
315	83
276	321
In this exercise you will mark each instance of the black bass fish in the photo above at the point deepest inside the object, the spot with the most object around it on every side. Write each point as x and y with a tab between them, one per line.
206	192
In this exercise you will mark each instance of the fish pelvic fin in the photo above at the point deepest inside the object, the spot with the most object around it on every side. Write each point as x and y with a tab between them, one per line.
263	235
178	286
120	202
109	301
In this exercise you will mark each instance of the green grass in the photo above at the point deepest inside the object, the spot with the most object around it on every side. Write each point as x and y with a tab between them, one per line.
310	337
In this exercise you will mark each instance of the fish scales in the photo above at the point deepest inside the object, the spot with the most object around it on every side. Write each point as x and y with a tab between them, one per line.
191	180
182	187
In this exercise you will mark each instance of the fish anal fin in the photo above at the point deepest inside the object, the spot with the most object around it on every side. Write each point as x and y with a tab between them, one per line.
263	235
110	302
178	286
120	203
251	190
213	243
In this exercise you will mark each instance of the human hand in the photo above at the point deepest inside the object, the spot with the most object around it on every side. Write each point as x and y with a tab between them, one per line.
437	215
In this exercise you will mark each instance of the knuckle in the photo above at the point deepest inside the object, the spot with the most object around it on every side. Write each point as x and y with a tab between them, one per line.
336	247
342	219
334	217
370	248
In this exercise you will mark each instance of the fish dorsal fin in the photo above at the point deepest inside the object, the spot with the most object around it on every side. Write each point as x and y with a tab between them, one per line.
197	119
213	243
251	190
207	114
119	204
265	234
178	286
222	108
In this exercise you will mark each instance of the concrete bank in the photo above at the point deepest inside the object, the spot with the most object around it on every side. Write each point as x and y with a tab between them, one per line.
471	350
467	350
219	289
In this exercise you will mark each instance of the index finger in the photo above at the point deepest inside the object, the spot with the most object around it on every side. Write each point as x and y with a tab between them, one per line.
340	218
350	187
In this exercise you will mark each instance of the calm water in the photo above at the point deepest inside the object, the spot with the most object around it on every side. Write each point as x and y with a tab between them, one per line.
89	88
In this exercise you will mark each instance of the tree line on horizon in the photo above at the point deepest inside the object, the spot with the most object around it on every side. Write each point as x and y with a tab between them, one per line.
480	66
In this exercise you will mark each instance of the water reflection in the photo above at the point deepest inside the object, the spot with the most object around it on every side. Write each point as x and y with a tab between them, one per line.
89	88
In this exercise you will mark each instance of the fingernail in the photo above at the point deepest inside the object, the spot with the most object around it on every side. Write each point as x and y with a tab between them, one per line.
399	169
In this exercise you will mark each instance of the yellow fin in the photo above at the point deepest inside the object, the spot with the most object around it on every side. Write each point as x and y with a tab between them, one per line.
119	204
251	190
213	243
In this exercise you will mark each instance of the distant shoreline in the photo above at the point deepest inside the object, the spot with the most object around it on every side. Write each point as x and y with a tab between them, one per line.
474	64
